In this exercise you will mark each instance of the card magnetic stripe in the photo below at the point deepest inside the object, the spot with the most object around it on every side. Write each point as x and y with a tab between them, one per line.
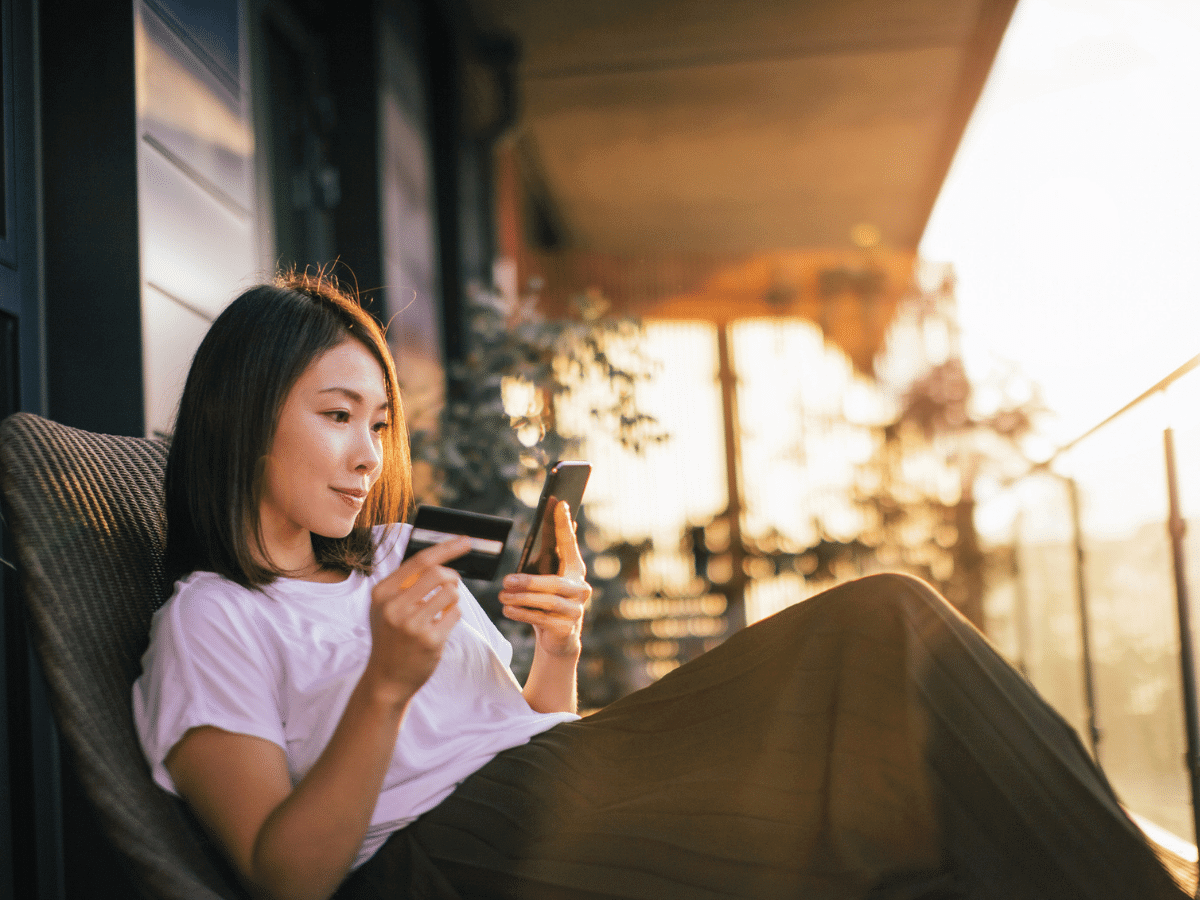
427	537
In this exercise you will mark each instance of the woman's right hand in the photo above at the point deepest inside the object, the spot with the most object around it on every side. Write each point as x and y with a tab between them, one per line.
412	613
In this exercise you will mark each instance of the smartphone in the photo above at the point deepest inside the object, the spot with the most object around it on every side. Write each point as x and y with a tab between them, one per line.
488	534
565	480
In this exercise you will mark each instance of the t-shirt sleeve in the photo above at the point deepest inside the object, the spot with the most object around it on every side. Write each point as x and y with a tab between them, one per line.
207	664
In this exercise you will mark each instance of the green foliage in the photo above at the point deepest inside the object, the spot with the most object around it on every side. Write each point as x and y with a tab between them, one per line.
480	451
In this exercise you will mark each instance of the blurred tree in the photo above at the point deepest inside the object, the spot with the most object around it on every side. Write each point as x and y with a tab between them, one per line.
498	427
919	486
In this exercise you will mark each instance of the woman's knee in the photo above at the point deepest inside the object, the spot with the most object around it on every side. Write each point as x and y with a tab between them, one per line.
881	590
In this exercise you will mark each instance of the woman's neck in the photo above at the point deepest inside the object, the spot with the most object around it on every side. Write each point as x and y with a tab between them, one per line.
297	560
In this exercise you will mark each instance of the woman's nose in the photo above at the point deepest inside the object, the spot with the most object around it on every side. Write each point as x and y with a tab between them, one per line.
368	451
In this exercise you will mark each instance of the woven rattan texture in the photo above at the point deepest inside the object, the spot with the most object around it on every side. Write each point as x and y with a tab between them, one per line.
84	513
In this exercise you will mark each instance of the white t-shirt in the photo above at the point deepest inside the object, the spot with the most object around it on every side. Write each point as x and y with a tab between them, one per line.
280	664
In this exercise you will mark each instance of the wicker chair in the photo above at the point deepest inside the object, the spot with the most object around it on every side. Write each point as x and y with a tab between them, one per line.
84	513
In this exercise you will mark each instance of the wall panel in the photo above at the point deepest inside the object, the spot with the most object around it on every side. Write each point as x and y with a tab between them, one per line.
198	221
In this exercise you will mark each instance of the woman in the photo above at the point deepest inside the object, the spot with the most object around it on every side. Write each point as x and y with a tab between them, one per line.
342	721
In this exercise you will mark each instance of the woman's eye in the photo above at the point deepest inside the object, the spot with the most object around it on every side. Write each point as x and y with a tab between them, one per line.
380	427
339	415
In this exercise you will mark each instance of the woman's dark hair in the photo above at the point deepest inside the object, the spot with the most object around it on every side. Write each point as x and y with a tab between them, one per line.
243	371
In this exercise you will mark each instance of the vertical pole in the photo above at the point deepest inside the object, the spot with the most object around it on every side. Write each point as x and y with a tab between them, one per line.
736	590
1020	601
1089	686
1176	527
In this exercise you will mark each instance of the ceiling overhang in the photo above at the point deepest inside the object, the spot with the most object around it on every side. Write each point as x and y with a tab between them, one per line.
723	158
710	126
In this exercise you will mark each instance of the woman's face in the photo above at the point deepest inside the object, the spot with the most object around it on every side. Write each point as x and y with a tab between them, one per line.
327	453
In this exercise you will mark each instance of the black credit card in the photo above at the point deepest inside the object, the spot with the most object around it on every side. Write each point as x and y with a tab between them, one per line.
435	524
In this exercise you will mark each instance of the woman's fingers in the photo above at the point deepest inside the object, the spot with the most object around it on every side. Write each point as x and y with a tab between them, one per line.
561	624
410	589
545	601
521	584
413	611
409	629
438	620
545	591
570	560
538	618
554	604
409	571
557	628
424	602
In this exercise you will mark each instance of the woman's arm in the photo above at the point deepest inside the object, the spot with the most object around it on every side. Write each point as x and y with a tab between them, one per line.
554	606
299	843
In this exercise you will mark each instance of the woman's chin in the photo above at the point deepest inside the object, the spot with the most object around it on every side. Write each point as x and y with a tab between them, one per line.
336	530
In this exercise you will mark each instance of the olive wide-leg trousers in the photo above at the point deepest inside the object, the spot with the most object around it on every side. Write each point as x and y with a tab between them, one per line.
866	742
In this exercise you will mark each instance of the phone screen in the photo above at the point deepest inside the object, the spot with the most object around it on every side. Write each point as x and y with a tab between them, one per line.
565	481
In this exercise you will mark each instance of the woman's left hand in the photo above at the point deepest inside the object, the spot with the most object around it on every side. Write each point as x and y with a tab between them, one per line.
553	604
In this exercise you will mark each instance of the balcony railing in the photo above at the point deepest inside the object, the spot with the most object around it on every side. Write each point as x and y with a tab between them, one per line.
1092	567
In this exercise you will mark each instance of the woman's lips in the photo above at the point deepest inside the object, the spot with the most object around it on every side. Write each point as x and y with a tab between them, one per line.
353	496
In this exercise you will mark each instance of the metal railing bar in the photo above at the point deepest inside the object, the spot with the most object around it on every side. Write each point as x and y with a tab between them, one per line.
1177	527
1188	366
1085	619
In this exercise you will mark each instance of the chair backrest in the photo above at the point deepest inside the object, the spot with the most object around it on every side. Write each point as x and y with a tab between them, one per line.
85	516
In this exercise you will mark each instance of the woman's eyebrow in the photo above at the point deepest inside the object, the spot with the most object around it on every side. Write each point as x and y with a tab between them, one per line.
350	394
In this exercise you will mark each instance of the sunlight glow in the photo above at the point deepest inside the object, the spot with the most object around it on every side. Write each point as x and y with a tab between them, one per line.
1070	211
669	486
1070	218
